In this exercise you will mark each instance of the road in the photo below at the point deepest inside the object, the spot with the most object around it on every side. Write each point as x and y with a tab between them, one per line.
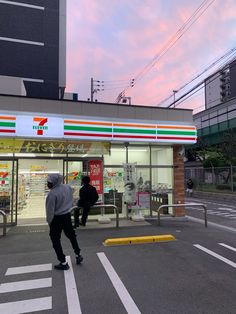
223	213
194	274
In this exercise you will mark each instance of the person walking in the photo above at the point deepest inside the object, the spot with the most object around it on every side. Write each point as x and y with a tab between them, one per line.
189	187
58	206
88	196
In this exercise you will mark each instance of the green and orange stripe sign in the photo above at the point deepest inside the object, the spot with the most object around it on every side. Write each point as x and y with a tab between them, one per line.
176	133
116	131
7	125
134	131
88	129
105	130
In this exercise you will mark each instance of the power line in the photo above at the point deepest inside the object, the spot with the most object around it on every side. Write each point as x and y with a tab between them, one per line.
194	17
230	54
175	38
200	85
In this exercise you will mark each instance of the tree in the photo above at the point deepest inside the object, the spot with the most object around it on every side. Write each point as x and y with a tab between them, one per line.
213	158
228	146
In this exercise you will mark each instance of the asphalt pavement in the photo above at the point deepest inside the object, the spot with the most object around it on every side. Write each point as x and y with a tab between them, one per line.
220	212
194	274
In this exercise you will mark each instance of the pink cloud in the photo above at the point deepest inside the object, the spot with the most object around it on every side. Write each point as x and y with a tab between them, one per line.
118	39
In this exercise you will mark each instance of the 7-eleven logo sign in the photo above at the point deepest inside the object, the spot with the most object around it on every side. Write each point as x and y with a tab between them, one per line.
41	125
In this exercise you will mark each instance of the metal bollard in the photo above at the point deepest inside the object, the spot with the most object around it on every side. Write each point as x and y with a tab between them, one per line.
4	222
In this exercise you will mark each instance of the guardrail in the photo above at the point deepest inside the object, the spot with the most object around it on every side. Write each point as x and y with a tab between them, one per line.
103	206
181	205
4	215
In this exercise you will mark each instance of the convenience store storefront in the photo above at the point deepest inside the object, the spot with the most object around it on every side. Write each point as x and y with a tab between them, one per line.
33	144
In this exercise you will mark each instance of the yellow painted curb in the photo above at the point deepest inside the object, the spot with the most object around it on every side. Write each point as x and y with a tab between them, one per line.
135	240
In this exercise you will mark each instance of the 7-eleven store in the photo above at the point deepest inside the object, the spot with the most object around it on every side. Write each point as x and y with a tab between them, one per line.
39	136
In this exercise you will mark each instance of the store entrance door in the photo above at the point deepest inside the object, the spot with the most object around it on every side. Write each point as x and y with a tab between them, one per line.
32	188
31	184
75	169
8	191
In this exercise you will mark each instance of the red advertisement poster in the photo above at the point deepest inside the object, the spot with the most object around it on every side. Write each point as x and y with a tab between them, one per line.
95	170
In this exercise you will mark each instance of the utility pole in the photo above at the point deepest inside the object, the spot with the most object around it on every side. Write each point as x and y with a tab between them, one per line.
174	91
92	92
95	90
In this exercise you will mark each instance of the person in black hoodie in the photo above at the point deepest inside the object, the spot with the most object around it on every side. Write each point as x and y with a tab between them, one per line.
88	196
189	187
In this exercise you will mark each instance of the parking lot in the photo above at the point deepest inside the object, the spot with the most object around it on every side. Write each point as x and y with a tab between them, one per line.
193	274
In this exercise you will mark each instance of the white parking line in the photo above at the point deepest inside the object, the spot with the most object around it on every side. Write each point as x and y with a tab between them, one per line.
25	285
122	292
28	269
223	259
71	290
228	247
212	212
26	306
221	214
195	208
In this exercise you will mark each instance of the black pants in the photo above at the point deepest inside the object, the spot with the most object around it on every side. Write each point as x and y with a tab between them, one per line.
59	223
86	209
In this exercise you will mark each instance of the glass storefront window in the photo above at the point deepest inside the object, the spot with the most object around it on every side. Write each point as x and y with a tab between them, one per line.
117	155
74	175
143	179
162	187
143	190
162	155
32	186
6	186
154	182
139	154
113	185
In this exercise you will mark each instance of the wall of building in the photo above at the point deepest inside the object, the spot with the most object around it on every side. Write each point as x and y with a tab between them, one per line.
95	110
179	187
218	114
212	91
233	79
29	45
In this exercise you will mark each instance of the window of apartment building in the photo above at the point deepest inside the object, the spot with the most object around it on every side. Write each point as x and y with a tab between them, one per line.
222	115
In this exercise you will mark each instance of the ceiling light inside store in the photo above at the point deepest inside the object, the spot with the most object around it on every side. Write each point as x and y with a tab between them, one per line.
130	150
9	154
46	171
25	155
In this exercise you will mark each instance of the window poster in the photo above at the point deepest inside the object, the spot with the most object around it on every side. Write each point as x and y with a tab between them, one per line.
95	170
144	200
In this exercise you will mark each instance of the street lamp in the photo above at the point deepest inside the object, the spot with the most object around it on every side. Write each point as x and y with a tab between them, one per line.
174	92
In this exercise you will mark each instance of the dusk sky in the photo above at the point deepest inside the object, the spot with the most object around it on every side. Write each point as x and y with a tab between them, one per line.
116	40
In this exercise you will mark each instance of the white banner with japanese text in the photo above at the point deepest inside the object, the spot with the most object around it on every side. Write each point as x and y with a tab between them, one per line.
130	183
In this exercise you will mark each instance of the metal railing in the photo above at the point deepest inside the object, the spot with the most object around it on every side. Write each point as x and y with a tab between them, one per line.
181	205
103	206
4	215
